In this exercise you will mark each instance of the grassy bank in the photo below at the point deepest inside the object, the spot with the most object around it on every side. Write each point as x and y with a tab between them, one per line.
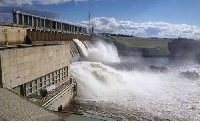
161	44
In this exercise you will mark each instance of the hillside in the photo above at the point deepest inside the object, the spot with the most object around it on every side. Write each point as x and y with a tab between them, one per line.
161	44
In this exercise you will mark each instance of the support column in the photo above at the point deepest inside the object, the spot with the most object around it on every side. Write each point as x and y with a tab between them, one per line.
28	20
22	19
56	25
36	22
39	22
44	24
14	15
61	28
50	24
17	18
32	21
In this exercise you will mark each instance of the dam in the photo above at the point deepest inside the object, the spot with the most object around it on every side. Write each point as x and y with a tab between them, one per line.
36	53
44	67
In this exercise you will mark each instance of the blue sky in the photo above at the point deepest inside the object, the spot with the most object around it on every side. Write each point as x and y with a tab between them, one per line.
113	14
172	11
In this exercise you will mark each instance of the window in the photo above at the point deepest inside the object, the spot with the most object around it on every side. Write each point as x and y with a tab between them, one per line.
53	78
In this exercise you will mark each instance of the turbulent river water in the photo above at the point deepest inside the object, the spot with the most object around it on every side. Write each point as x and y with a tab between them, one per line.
125	88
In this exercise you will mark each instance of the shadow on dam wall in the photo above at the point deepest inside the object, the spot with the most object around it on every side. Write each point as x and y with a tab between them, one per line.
124	50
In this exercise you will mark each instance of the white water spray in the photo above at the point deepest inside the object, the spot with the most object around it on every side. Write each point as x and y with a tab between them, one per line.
103	52
162	95
166	96
99	52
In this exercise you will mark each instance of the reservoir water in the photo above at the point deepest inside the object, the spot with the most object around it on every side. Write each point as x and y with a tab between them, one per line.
126	88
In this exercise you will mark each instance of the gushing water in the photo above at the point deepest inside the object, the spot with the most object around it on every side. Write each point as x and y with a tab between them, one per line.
103	52
166	96
81	48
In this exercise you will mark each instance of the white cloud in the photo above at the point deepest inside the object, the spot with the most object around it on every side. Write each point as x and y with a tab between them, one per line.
147	29
31	2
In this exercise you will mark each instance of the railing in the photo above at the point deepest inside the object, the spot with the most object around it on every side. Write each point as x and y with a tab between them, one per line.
60	94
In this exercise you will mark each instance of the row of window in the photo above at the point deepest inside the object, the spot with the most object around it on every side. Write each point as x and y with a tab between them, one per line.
35	86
